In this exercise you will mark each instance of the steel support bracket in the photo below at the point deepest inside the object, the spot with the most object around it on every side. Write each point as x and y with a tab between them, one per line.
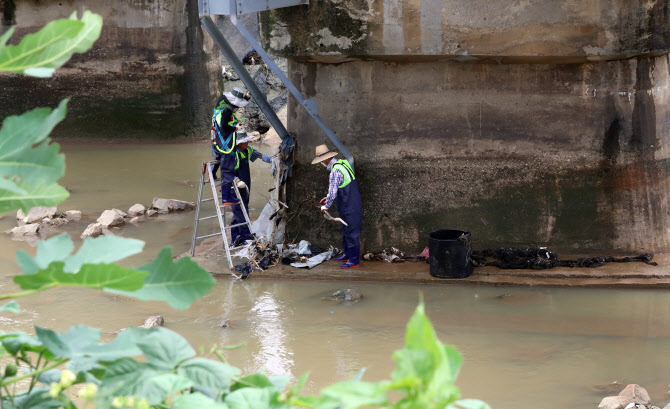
239	7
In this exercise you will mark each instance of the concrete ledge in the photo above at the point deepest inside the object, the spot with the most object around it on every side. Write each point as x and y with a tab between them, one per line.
612	275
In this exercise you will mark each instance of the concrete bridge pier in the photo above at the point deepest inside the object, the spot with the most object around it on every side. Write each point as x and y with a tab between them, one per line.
528	123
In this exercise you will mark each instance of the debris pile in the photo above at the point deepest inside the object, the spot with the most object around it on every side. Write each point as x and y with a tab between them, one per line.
539	258
392	255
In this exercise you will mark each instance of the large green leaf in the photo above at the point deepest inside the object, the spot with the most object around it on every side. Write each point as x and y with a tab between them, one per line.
164	349
31	196
15	342
352	395
253	398
39	54
426	368
107	249
80	345
171	383
127	377
209	374
38	398
57	248
98	276
197	400
178	284
28	164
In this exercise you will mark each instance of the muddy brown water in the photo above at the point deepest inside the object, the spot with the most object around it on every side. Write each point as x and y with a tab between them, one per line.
523	347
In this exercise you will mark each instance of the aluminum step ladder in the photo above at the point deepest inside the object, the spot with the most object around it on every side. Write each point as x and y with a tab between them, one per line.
207	177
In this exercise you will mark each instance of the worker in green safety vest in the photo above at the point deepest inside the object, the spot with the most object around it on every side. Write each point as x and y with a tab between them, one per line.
225	123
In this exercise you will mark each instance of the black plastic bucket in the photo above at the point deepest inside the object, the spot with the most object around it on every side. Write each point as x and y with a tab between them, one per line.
449	253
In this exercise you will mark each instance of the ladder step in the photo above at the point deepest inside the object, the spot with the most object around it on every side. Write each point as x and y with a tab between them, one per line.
236	225
206	200
209	235
208	217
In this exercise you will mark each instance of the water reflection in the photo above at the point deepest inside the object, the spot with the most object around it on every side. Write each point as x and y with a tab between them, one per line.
268	317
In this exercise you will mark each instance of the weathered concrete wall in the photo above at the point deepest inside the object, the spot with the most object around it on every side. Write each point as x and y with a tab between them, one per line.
521	121
147	76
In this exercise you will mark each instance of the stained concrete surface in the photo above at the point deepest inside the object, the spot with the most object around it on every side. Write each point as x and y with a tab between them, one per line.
527	123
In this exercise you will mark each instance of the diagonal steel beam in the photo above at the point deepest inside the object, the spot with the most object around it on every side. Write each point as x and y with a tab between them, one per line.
259	97
309	104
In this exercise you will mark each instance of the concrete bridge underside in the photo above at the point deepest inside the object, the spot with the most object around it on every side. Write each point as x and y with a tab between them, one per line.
526	122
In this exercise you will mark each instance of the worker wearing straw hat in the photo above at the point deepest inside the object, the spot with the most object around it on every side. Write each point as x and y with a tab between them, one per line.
343	191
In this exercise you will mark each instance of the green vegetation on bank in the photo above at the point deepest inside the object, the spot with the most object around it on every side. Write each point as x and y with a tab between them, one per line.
48	369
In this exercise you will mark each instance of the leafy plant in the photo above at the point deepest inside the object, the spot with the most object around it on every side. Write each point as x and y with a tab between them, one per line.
49	365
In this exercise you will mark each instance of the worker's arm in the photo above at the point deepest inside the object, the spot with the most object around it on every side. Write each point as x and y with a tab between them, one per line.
256	154
336	178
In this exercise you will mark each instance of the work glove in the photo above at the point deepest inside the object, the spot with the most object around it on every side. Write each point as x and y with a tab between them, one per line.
323	201
324	209
240	183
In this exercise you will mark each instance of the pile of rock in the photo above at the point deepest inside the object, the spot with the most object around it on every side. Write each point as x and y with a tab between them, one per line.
137	213
633	396
39	217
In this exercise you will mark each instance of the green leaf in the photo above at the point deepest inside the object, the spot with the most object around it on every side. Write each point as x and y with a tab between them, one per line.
164	349
11	306
39	54
354	394
252	398
5	37
80	345
35	195
127	377
15	342
98	276
178	284
57	248
28	164
469	404
257	380
426	369
98	250
38	398
197	400
171	383
52	375
107	249
209	374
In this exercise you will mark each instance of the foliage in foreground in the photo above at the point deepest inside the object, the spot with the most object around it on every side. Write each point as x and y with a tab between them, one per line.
55	370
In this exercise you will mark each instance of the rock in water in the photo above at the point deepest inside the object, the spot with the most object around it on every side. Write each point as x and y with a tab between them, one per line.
73	215
153	321
111	218
634	394
611	402
348	294
56	222
36	214
135	220
25	230
151	213
120	212
136	210
93	230
171	205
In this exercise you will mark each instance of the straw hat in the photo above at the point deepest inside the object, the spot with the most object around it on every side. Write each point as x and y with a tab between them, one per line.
322	153
237	97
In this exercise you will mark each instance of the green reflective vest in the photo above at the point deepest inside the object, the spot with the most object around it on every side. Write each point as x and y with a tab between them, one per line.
345	169
250	150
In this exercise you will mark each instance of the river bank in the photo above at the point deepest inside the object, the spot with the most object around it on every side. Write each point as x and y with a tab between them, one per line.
210	256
